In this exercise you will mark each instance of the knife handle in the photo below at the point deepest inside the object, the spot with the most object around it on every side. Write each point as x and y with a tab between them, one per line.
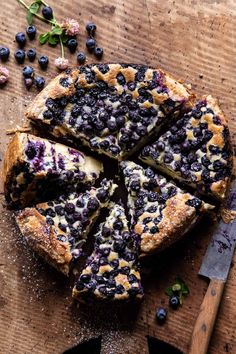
206	319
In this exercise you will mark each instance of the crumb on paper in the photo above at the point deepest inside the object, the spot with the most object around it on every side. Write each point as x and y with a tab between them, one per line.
228	215
23	129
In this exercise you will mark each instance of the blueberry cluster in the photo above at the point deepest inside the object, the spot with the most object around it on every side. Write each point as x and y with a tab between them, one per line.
91	43
188	147
148	194
72	214
111	118
112	271
20	54
148	198
65	166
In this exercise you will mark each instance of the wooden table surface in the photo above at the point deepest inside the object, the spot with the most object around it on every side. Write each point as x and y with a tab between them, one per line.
196	41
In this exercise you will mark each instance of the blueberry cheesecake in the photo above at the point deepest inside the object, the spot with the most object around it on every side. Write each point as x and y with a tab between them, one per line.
111	108
58	229
196	150
161	213
112	270
34	167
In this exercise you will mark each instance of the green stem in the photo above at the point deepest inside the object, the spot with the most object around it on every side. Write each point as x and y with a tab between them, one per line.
36	15
44	3
62	48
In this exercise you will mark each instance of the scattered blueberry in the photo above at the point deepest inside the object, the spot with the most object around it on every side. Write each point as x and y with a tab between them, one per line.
43	62
91	29
72	45
90	44
20	56
28	71
161	315
81	57
174	302
39	82
4	53
98	52
31	32
20	39
28	82
31	54
47	12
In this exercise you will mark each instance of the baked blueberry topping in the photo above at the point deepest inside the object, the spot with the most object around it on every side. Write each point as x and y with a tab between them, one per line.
193	147
195	202
113	266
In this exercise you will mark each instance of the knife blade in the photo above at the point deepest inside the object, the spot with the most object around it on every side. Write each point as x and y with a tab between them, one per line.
215	266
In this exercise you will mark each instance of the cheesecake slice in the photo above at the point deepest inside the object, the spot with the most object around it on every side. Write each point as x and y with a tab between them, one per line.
161	213
111	108
35	168
112	270
57	230
196	150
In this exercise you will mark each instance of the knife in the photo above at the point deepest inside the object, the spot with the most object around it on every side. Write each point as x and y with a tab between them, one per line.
215	266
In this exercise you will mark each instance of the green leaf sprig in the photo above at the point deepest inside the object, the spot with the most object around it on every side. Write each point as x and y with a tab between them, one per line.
55	35
179	288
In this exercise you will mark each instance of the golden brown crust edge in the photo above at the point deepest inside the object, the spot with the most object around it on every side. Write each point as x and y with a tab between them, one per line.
13	155
177	219
54	90
221	187
43	239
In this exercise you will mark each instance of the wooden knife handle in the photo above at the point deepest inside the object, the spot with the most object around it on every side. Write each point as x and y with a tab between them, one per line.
206	319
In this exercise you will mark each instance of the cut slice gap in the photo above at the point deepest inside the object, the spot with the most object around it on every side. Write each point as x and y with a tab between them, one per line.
161	213
113	109
58	229
36	169
112	270
196	150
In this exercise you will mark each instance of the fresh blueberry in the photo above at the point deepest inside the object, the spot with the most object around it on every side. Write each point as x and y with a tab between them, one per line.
72	44
194	202
218	165
30	151
102	195
154	229
90	44
93	204
81	57
47	12
28	71
4	53
85	278
160	146
135	186
118	224
91	28
98	52
174	302
39	82
28	81
20	56
161	315
31	54
20	39
43	62
31	32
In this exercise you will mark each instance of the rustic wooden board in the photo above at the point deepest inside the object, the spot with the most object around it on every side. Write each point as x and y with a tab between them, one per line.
195	40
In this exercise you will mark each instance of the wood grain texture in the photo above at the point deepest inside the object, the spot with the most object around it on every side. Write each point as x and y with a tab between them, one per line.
206	319
194	40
